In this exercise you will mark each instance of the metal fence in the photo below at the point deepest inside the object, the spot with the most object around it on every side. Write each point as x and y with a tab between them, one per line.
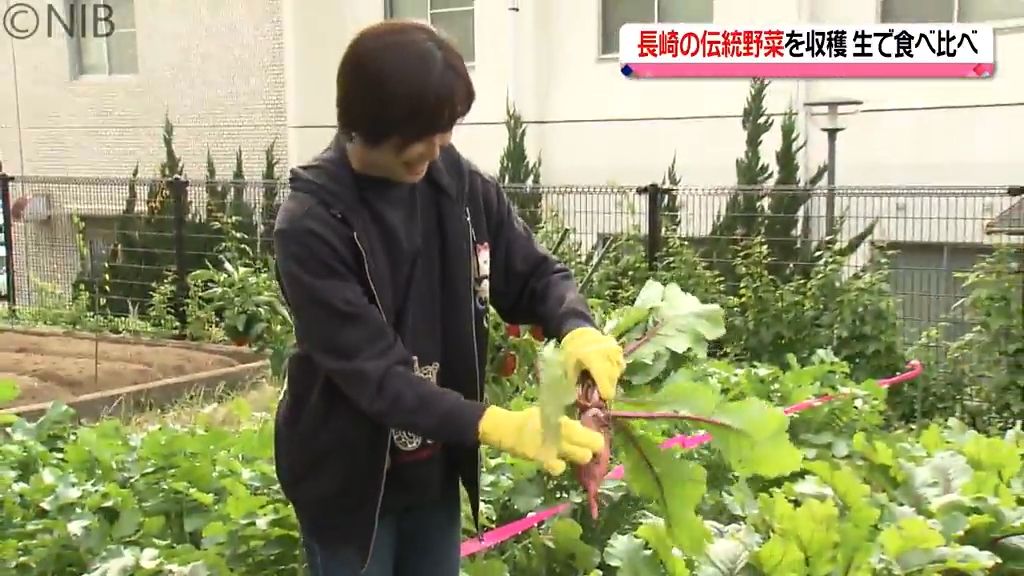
62	235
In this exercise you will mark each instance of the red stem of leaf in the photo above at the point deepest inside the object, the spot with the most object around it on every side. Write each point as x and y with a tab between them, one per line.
650	334
668	416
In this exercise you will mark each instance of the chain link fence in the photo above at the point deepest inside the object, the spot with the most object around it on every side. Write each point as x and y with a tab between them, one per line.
63	235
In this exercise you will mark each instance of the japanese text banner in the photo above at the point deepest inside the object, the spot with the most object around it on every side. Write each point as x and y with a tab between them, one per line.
807	51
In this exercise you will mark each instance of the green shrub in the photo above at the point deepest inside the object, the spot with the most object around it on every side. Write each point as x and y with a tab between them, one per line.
144	253
978	377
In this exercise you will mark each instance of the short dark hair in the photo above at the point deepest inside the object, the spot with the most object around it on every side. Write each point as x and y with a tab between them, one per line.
401	79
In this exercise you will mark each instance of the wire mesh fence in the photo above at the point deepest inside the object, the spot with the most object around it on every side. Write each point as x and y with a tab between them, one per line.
122	247
932	235
140	238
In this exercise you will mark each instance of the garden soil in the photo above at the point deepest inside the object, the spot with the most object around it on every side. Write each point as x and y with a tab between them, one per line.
61	368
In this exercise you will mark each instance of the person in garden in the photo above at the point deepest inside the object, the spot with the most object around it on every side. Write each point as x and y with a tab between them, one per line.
391	250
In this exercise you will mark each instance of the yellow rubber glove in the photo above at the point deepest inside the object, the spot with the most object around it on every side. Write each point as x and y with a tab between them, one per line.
589	349
519	433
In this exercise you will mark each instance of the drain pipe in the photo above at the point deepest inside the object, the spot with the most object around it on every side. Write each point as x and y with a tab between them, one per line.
804	16
513	51
17	91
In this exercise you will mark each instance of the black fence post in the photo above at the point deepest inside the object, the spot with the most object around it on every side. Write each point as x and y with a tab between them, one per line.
179	198
654	194
1018	192
5	200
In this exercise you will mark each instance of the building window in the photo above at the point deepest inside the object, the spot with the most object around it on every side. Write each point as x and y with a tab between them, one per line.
615	13
452	17
950	11
102	51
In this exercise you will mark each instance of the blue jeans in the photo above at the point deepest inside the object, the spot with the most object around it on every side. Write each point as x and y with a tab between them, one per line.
422	541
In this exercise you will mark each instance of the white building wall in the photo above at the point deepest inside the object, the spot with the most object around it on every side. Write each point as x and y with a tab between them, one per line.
594	127
215	67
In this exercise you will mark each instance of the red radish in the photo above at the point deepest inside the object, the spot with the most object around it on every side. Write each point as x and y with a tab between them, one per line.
592	474
508	364
594	415
513	330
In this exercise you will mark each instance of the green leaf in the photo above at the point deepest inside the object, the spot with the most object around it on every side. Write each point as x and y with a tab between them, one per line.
554	394
678	394
655	534
938	477
780	557
566	534
676	486
685	312
484	567
728	555
809	532
682	322
756	439
910	542
628	553
967	559
9	391
856	532
626	320
527	494
1011	551
646	368
129	521
993	455
931	439
650	296
203	275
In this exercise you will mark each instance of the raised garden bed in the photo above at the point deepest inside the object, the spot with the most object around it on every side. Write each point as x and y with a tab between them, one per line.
99	375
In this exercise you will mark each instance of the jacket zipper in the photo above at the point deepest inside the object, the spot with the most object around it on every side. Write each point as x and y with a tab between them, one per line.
387	446
476	352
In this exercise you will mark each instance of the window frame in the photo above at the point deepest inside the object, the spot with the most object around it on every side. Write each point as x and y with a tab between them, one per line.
390	14
77	65
600	26
1005	24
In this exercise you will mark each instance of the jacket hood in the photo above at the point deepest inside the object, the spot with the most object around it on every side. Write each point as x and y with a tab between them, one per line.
329	178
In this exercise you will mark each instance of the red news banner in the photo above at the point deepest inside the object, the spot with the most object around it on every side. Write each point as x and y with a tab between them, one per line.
807	51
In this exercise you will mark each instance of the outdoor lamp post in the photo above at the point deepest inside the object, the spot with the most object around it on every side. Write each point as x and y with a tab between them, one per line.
829	115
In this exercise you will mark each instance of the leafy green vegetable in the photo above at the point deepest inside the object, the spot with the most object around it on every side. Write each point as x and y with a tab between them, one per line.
107	499
628	554
826	491
9	391
675	486
555	392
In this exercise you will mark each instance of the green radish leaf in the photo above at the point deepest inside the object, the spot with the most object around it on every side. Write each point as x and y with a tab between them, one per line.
566	535
628	553
675	486
555	393
655	534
